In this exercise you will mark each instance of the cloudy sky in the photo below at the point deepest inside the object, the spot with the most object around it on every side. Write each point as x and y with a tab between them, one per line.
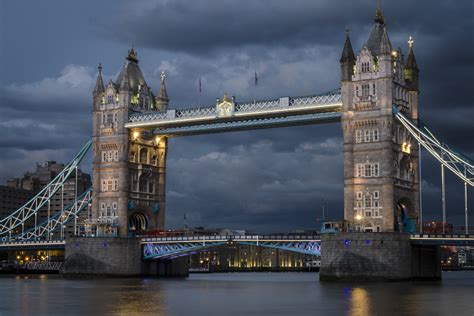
266	180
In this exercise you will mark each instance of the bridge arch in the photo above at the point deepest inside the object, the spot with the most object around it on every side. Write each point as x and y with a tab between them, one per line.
403	211
137	222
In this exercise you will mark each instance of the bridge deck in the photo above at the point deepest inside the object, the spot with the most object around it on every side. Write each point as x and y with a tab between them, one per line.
286	111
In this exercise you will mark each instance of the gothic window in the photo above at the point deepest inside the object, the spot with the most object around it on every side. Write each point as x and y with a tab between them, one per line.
365	67
114	205
110	99
376	195
104	185
374	133
367	171
109	185
110	118
360	170
110	155
116	155
115	185
132	156
144	155
358	135
373	88
151	187
143	183
359	195
153	159
365	90
377	229
375	170
104	156
367	135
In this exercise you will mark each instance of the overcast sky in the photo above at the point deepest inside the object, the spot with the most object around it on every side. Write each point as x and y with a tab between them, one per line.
268	180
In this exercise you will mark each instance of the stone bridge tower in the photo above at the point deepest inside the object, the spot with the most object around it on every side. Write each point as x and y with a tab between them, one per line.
381	167
129	166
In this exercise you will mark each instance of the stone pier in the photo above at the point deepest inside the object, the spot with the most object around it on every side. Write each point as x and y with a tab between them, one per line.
115	257
376	257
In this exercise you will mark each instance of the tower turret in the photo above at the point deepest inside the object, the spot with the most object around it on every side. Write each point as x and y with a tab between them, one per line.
99	89
411	68
347	60
162	98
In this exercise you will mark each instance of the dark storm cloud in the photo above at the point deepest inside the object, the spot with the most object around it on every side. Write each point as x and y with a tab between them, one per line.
264	180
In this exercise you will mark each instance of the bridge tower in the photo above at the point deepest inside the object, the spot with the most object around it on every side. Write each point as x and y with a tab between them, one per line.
381	166
128	166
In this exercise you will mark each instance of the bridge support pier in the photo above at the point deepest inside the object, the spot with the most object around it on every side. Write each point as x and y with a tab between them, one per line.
175	268
102	256
376	257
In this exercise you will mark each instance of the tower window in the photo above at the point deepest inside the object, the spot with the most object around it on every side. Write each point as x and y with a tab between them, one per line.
365	67
365	90
110	99
358	137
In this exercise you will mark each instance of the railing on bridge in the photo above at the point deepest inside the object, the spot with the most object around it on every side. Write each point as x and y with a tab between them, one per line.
332	98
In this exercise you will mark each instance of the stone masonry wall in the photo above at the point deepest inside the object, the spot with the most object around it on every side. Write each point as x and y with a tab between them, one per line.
365	257
105	256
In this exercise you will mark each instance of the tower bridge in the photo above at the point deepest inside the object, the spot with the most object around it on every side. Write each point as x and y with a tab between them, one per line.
376	104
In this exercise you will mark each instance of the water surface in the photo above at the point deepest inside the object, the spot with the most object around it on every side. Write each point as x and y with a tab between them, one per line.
235	294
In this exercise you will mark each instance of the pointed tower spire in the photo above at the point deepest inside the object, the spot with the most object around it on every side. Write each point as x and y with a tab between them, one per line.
411	68
123	83
162	99
347	59
378	14
99	84
385	45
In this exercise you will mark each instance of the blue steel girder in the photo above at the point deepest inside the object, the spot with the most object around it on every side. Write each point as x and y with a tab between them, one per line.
305	247
165	250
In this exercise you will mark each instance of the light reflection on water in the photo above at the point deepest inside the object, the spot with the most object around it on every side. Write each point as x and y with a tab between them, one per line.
235	294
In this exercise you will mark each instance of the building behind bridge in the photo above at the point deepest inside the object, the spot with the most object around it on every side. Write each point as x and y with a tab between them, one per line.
19	190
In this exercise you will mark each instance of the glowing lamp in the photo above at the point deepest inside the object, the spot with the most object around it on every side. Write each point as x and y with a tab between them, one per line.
358	217
157	139
406	148
135	135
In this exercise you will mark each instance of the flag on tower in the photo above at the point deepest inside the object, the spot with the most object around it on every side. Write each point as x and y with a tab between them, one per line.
200	85
256	78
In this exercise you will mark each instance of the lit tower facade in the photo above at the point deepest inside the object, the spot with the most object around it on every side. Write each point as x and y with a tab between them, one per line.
381	165
128	166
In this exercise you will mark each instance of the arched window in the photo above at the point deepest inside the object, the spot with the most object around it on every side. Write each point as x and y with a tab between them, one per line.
143	183
368	227
144	155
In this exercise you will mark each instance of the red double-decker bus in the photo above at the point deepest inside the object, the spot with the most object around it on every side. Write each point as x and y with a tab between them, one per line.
437	228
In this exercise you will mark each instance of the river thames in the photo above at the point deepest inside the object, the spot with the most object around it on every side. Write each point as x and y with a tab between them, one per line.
235	294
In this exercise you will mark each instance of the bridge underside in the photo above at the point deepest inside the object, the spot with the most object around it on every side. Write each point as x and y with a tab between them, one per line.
154	251
249	124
